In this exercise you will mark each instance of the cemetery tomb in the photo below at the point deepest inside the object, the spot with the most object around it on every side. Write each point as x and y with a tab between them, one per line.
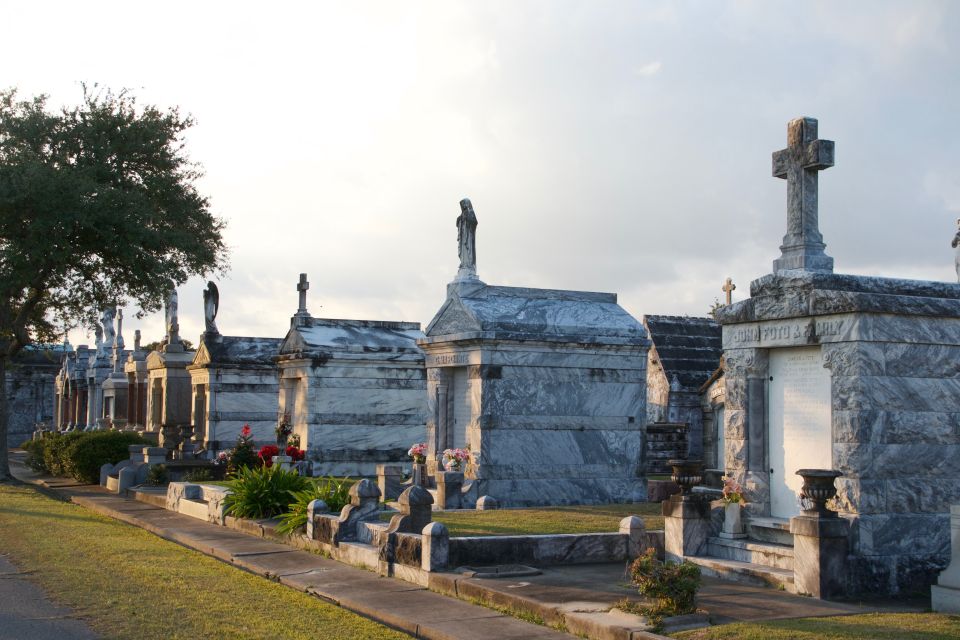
354	390
852	373
547	388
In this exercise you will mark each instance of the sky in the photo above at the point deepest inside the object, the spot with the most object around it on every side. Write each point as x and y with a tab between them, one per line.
606	146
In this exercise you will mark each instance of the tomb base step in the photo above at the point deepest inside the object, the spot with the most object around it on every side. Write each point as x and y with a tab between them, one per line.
767	529
757	575
768	554
156	497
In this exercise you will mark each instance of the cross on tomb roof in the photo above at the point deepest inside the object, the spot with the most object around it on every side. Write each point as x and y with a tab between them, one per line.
799	164
728	288
302	287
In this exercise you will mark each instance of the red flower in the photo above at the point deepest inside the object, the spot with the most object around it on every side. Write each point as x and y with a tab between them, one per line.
266	454
296	454
245	431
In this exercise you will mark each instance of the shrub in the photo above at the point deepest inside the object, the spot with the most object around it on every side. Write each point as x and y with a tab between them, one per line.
242	455
672	586
54	450
86	454
198	475
34	449
157	475
263	492
336	493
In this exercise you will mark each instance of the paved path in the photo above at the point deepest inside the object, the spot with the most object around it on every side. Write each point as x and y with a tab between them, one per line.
26	612
396	603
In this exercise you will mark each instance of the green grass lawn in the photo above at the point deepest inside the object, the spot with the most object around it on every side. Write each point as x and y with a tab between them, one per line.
544	520
127	583
868	626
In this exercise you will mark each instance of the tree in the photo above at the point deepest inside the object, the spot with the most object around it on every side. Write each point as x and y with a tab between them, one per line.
97	207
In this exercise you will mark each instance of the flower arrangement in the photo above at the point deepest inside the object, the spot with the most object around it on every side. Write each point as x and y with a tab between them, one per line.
418	452
266	454
268	451
284	427
222	459
453	459
296	453
732	492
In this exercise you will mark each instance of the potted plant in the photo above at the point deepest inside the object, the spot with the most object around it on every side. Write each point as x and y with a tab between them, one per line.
455	459
733	501
418	453
283	430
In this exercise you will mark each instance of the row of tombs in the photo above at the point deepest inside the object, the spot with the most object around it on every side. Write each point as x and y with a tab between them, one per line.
563	397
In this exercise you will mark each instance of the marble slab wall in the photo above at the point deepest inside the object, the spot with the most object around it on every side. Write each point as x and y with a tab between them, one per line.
353	414
895	411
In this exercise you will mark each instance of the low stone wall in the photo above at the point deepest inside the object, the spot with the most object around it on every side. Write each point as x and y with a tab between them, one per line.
541	550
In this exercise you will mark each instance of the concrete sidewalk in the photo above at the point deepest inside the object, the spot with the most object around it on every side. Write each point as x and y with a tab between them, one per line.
398	604
26	612
578	597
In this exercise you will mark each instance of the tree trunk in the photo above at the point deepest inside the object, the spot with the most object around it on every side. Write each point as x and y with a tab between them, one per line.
4	421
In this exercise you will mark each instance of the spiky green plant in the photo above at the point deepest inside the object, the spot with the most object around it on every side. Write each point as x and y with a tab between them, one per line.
334	491
263	492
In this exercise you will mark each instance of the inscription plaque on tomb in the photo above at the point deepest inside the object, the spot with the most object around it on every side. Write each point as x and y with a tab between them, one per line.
799	423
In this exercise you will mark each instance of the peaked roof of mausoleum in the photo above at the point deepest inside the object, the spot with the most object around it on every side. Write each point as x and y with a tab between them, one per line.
525	313
237	350
329	334
688	349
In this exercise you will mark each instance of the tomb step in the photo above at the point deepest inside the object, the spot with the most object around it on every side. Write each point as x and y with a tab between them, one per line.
156	497
750	551
757	575
767	529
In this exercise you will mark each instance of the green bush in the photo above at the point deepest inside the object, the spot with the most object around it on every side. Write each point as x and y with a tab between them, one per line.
335	492
157	475
34	449
263	492
198	475
55	449
85	455
672	586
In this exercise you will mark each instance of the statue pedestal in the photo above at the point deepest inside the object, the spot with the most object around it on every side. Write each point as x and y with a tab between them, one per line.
945	595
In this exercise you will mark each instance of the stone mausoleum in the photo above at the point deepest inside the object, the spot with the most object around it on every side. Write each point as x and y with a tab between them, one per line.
547	388
355	390
233	382
852	373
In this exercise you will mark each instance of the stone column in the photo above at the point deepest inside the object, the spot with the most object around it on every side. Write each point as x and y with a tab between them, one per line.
389	480
745	424
132	400
945	595
449	488
820	546
436	547
686	526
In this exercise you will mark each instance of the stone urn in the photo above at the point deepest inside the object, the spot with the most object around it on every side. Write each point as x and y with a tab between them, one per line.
818	488
686	473
732	521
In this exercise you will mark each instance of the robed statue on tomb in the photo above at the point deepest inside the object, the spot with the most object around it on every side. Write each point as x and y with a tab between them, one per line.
467	239
211	304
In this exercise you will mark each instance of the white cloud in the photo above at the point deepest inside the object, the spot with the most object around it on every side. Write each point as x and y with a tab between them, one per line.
650	69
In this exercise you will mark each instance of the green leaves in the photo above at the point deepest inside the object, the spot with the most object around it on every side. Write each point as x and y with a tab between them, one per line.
335	492
97	205
263	492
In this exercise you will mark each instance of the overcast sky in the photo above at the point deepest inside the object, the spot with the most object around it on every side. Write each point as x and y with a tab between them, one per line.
607	146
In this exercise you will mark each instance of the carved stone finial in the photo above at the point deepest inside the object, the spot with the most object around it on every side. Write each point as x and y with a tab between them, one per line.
799	164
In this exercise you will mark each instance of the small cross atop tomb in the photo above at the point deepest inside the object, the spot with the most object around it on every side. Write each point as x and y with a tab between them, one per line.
302	287
728	288
799	164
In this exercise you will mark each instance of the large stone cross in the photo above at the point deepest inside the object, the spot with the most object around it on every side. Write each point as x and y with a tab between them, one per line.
799	163
302	287
728	288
